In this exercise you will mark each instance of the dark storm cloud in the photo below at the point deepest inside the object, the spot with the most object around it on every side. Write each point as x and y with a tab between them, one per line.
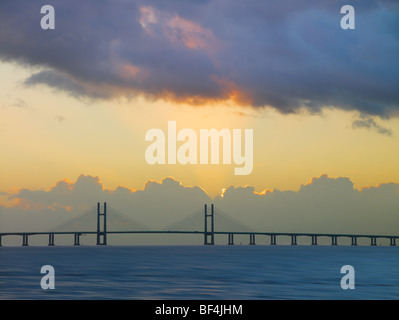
58	81
371	125
287	55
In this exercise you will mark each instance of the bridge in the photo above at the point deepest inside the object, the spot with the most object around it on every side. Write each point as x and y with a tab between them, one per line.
122	224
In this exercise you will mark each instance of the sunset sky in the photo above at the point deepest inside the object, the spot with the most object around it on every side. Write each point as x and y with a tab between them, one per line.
79	99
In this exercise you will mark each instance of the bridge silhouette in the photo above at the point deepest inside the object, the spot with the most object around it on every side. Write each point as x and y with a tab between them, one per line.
107	220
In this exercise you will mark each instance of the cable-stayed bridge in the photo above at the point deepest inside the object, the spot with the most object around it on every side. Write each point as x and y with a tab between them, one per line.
196	222
105	220
88	220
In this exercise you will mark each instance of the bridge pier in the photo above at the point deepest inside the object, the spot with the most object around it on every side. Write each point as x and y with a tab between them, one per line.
25	240
373	241
293	240
102	235
51	239
252	239
0	241
77	239
314	240
392	242
273	240
334	241
208	234
209	239
231	238
354	241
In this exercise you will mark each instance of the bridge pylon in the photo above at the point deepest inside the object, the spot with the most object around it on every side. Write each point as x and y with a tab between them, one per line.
101	232
209	236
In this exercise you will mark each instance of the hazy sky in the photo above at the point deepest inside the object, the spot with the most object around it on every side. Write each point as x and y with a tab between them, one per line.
321	100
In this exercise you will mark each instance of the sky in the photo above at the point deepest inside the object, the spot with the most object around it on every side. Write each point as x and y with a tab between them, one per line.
323	103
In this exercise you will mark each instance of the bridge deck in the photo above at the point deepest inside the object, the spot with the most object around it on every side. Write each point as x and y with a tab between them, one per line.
203	232
208	231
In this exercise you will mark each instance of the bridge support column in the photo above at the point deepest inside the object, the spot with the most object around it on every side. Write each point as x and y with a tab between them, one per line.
273	240
231	238
293	240
373	241
392	242
77	239
0	241
208	234
354	241
102	235
51	239
314	240
25	240
252	239
334	241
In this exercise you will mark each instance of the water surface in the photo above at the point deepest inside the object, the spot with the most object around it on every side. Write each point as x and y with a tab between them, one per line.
199	272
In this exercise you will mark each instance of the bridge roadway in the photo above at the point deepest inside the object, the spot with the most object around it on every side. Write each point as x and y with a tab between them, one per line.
230	234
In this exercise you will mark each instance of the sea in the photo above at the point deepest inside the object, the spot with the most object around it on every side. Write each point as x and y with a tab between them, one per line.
220	272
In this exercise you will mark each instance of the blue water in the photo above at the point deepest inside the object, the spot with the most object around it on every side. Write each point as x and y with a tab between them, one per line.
199	272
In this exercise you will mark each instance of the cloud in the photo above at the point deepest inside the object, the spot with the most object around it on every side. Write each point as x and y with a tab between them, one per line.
19	103
156	205
59	118
370	124
288	56
324	205
63	82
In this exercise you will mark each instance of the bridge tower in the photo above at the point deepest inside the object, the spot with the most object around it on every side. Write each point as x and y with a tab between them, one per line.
101	232
209	236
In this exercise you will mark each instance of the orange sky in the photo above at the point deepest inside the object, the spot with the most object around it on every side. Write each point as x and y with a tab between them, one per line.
46	136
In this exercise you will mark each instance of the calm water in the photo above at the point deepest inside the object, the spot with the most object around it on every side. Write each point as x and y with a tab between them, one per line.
199	272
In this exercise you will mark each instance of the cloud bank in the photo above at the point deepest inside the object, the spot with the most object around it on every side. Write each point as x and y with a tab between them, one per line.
289	55
370	124
324	205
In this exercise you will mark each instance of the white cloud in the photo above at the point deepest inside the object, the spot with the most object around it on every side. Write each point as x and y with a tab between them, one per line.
324	205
